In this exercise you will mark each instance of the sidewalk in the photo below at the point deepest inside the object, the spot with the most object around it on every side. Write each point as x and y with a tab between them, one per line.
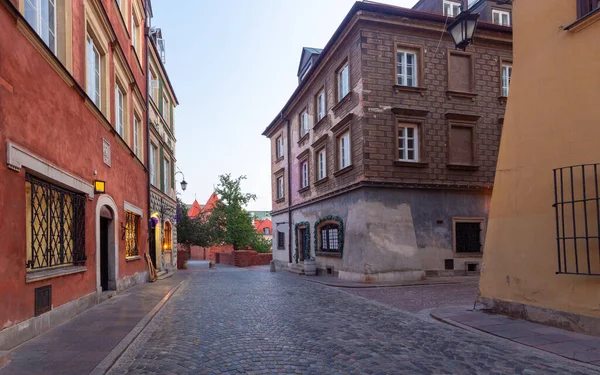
568	344
82	343
335	282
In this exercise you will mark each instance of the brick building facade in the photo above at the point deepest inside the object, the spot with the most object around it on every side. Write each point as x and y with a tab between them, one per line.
383	159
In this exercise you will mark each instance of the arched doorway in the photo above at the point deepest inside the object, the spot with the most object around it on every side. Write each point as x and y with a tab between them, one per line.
107	268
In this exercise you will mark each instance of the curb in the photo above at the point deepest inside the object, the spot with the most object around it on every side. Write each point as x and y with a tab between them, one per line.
371	286
105	365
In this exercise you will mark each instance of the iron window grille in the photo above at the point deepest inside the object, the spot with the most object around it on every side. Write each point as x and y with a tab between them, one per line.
131	234
329	238
280	240
468	237
577	212
56	224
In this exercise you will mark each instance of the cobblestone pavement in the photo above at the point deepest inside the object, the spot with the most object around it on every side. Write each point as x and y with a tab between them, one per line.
233	321
422	297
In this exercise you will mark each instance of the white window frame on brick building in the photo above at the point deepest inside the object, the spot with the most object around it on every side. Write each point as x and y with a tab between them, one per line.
120	111
321	105
303	123
280	190
451	8
501	17
407	68
408	142
136	135
343	81
322	164
93	72
153	153
304	174
41	15
506	77
279	147
344	160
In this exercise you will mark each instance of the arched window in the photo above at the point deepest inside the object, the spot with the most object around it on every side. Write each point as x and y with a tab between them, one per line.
267	231
168	238
329	235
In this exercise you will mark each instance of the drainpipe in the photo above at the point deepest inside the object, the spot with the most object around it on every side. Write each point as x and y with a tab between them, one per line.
289	183
148	144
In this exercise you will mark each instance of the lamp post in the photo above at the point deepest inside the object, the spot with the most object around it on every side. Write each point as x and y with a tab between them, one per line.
183	182
463	28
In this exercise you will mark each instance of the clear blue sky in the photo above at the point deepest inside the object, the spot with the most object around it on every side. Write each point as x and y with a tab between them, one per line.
233	65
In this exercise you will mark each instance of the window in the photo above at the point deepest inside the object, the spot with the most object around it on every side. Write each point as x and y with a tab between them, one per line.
134	32
153	86
280	190
165	108
462	144
344	150
136	135
451	9
408	142
506	76
168	237
329	234
321	105
166	175
41	15
132	223
343	84
304	123
407	69
501	17
586	6
279	149
467	236
55	225
280	240
267	231
93	71
304	174
153	152
322	164
119	108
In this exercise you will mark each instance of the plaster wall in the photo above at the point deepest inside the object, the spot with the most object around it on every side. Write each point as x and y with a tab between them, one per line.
551	121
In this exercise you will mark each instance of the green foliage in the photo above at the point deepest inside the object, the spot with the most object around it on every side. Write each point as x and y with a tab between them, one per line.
196	231
260	243
231	222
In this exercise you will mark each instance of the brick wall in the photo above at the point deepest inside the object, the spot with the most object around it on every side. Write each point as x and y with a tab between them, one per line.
244	258
208	253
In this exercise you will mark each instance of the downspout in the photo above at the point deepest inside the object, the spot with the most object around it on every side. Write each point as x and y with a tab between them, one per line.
148	143
289	183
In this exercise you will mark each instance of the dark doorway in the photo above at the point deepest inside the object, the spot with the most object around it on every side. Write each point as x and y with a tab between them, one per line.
104	225
153	246
302	235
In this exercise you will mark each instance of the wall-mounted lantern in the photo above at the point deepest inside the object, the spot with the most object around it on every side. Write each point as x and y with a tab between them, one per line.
99	187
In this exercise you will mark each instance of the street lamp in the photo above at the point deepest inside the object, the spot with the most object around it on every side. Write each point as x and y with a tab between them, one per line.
183	182
463	29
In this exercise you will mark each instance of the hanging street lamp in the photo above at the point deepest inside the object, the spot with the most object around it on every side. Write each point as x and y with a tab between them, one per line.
463	29
183	182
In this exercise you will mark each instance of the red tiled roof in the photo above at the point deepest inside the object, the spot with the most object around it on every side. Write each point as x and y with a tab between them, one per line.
211	203
195	209
260	226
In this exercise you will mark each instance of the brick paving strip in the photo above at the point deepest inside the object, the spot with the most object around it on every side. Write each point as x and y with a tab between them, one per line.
92	341
567	344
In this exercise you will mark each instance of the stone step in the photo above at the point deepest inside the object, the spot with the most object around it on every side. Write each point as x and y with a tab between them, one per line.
163	275
295	270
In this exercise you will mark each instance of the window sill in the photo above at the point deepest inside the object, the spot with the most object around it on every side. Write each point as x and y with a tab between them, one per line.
328	254
279	159
35	276
304	189
468	255
460	94
584	21
281	248
280	200
410	164
342	101
344	170
131	259
304	137
321	181
464	167
320	122
421	90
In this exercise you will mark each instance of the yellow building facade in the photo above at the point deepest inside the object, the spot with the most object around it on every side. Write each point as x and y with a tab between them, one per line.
552	121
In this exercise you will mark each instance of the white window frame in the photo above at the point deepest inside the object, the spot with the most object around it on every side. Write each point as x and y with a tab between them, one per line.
39	23
136	134
166	166
165	108
154	86
280	191
321	105
153	152
402	65
403	143
120	111
304	123
304	174
134	32
501	14
279	147
344	150
322	164
506	77
93	65
454	8
343	78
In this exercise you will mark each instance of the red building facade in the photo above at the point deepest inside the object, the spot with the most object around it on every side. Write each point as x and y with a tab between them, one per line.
73	110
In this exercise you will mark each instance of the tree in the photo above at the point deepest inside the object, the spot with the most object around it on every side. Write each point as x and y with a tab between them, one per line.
230	221
195	231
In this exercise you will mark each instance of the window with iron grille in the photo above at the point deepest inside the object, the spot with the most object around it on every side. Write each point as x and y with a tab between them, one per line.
131	234
330	238
55	225
280	240
468	237
586	6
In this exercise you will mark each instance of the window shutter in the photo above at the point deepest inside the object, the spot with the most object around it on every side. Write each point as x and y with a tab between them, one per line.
162	168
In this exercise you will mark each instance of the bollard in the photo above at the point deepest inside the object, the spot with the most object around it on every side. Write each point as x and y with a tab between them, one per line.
272	264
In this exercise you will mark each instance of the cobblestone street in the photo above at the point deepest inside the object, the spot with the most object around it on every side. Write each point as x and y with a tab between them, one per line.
235	321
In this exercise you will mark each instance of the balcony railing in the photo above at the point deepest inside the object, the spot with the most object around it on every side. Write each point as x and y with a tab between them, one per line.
577	209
